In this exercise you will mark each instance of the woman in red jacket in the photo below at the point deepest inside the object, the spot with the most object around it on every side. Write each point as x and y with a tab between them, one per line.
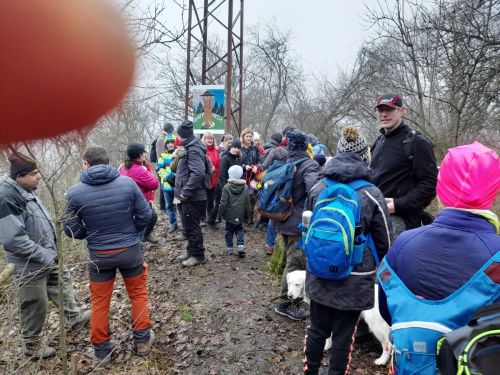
213	154
139	169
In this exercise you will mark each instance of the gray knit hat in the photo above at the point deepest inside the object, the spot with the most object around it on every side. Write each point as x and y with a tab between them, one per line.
353	141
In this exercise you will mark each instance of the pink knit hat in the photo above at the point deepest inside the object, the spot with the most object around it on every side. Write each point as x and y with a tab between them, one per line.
469	177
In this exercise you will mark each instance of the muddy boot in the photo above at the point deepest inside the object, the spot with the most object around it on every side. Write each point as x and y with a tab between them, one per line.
183	257
194	261
36	352
151	239
143	348
84	320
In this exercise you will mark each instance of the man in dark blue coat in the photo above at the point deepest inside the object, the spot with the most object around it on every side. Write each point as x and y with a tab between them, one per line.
109	211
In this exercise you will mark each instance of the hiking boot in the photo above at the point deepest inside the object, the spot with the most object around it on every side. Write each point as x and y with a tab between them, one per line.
194	261
183	257
150	238
241	251
268	250
291	311
101	362
143	348
173	228
85	319
203	224
33	351
180	237
229	250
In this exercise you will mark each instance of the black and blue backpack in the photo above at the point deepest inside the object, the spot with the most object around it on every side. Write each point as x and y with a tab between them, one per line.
334	241
275	200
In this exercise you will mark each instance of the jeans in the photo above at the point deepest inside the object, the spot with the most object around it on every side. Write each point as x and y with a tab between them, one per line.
33	298
234	229
170	206
191	215
271	234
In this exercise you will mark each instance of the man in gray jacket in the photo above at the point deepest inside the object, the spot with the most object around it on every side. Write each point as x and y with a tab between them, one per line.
191	190
29	239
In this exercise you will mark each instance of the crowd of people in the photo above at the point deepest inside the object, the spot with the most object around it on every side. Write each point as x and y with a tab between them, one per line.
202	183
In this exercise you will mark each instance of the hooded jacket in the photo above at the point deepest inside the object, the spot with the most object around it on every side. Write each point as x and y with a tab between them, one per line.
272	153
106	209
356	292
26	231
305	177
190	173
146	180
234	203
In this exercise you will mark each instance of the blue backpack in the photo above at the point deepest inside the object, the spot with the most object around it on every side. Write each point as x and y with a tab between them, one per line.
275	200
334	241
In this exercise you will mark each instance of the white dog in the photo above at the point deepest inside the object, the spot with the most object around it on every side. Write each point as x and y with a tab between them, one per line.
377	325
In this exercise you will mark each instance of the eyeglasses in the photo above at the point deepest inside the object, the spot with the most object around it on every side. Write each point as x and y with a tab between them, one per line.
386	109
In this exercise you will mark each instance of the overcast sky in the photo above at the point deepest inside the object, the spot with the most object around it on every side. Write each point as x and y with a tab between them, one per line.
326	34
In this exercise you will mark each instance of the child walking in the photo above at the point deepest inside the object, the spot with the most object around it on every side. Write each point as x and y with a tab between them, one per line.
234	208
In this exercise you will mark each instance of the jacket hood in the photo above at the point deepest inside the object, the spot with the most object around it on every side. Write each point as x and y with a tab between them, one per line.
196	142
99	174
236	186
271	144
346	167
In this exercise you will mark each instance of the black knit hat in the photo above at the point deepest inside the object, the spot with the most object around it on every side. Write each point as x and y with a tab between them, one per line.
236	143
21	165
297	140
185	129
135	150
277	137
168	128
320	159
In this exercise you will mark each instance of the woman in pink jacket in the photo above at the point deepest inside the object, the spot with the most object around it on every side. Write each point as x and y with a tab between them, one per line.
135	167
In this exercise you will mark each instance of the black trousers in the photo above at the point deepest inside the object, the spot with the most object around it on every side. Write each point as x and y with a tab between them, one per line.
210	204
341	325
191	216
212	215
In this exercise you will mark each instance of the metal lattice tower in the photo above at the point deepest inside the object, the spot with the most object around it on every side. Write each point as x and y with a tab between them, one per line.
223	66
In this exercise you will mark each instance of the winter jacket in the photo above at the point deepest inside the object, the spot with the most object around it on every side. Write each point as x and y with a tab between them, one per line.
435	260
213	155
272	154
145	179
106	209
249	156
410	181
228	160
26	231
235	202
305	177
164	170
190	174
356	291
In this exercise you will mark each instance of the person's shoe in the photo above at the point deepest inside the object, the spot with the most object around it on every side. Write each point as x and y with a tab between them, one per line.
173	228
194	261
203	224
180	237
290	311
33	351
151	239
143	348
85	319
229	250
101	362
268	250
183	257
241	251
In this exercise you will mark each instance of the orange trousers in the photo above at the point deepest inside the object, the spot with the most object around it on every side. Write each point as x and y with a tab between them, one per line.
100	294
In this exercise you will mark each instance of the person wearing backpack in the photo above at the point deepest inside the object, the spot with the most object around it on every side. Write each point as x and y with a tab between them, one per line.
336	305
403	166
190	190
304	178
436	276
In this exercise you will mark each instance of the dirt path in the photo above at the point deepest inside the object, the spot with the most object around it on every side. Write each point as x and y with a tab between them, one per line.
212	319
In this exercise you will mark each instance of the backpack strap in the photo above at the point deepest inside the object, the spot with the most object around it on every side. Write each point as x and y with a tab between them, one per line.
297	162
358	184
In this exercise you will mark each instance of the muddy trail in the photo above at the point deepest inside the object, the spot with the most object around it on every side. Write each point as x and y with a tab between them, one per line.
213	319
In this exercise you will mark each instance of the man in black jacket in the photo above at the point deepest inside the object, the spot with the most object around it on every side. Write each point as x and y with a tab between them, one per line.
190	189
403	166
